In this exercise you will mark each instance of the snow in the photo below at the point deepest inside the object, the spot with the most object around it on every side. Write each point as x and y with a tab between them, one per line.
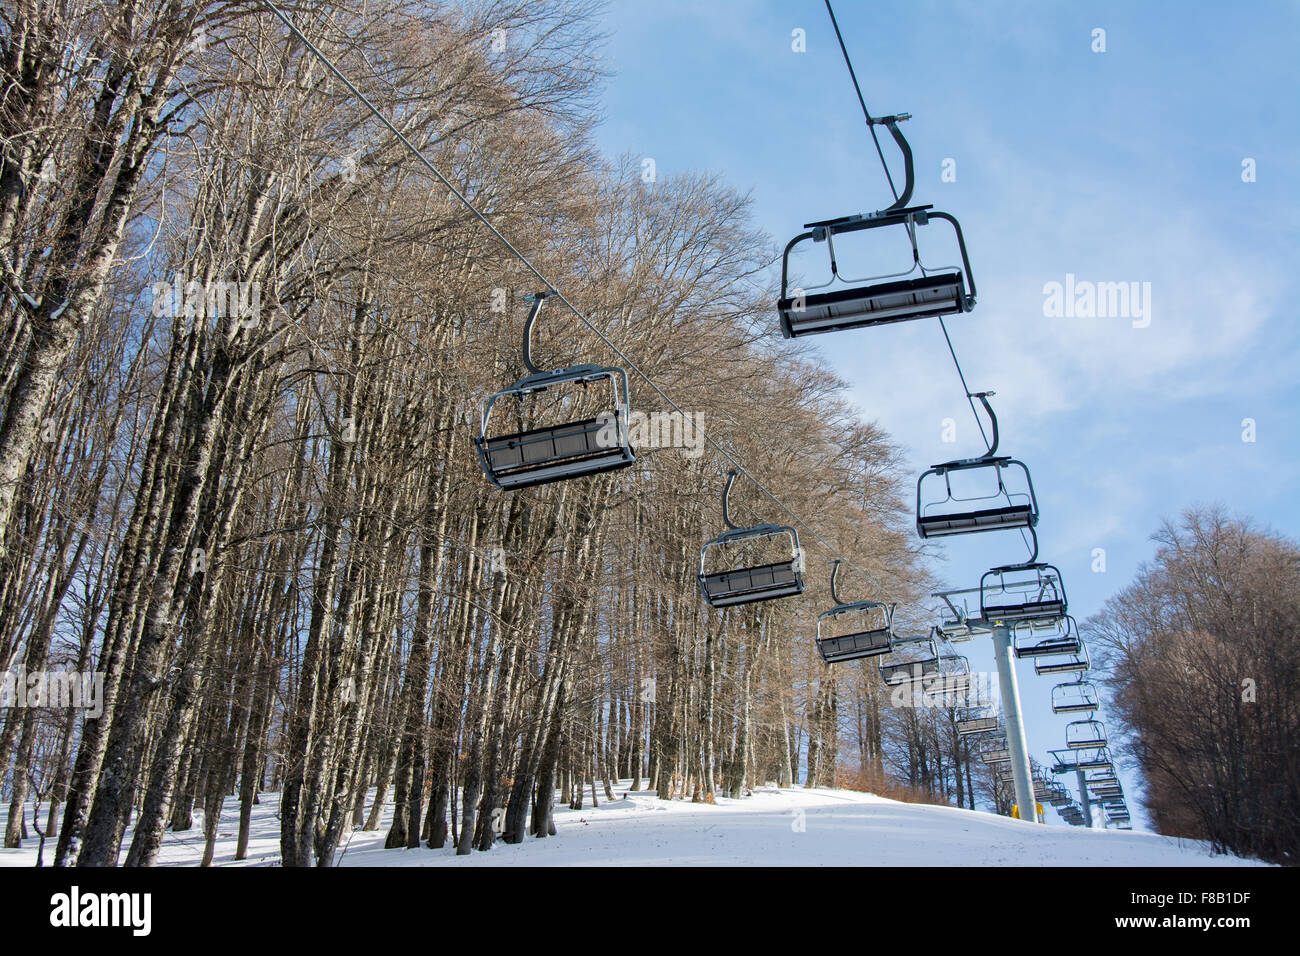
773	827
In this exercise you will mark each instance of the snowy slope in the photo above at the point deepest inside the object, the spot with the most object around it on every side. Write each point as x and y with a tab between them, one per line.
771	828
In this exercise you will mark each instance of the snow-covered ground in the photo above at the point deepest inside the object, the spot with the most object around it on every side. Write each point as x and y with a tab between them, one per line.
774	827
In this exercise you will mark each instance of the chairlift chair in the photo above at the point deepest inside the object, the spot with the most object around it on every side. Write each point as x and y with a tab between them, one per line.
973	726
1099	759
955	632
958	628
851	631
1075	697
753	582
1085	734
572	449
1101	780
912	659
1022	592
996	757
1008	504
954	675
843	302
1038	639
1070	759
1076	664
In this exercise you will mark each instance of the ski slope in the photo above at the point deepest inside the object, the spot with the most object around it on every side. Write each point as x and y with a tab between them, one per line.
773	827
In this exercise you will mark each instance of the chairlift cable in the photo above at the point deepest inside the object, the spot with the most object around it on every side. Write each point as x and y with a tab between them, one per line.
871	125
731	458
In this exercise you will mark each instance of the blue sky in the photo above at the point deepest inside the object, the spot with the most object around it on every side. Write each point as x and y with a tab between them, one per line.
1117	166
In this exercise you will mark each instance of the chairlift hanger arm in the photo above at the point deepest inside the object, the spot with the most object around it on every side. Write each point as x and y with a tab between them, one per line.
891	124
993	422
726	496
537	299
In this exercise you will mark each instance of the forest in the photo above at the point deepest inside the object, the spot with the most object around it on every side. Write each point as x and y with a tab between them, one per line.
246	342
247	508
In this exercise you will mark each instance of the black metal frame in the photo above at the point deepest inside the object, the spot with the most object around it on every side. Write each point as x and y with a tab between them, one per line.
861	642
1068	643
1083	706
1046	578
871	301
764	582
539	456
1019	513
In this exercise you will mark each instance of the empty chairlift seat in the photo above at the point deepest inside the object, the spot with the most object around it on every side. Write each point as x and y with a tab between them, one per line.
843	302
848	303
1101	780
1055	666
976	725
854	630
572	448
1056	638
1098	759
1008	503
1071	759
754	580
996	755
760	582
1075	697
971	495
913	659
1022	592
1085	734
955	631
954	675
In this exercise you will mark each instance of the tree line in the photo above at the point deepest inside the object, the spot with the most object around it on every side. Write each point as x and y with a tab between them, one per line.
1202	655
245	345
